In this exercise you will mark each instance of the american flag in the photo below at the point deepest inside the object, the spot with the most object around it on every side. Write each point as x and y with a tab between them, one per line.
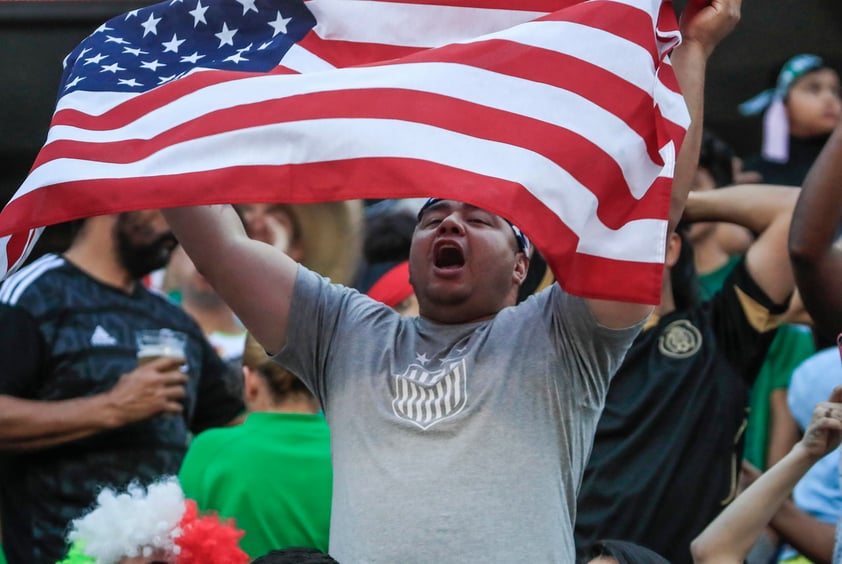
562	116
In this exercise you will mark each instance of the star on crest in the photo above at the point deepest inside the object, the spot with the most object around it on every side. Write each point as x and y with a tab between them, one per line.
422	358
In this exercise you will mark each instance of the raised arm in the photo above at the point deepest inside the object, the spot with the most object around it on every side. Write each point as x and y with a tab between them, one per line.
730	536
255	279
816	262
703	25
766	211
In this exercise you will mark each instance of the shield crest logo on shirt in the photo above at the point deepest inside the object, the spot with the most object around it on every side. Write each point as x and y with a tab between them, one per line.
425	397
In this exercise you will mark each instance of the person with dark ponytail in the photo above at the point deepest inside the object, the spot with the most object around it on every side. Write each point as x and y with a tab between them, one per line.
272	474
620	552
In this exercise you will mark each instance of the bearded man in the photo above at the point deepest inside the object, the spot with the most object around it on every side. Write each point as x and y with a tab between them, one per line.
77	413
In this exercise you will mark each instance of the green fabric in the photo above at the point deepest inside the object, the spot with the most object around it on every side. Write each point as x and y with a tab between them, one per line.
711	282
75	556
272	475
793	344
2	556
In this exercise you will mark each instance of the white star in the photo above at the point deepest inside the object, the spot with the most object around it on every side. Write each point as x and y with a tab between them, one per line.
117	40
96	59
135	52
235	58
163	79
150	25
246	48
64	61
422	358
131	14
74	82
112	68
248	5
175	2
199	14
82	54
103	27
152	65
194	58
173	44
280	24
265	46
226	36
129	82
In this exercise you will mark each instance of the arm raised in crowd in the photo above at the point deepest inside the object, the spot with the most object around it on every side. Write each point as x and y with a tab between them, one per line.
816	262
255	279
766	211
704	23
730	536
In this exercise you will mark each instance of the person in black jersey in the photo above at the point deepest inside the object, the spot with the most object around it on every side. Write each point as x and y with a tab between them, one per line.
668	445
76	412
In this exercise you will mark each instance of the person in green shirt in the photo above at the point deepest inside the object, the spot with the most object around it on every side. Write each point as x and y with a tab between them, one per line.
273	473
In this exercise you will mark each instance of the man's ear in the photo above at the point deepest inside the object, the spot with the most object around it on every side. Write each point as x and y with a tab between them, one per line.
521	268
251	385
673	249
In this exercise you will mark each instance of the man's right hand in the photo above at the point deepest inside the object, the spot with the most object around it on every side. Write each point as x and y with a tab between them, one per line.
151	389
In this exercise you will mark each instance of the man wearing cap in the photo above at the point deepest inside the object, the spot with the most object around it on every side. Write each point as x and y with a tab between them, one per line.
462	434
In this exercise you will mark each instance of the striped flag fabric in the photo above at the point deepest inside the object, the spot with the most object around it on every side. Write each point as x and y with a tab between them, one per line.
562	116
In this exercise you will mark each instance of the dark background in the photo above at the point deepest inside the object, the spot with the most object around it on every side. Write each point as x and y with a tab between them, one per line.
36	35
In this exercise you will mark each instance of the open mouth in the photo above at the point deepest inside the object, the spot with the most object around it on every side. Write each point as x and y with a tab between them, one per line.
449	256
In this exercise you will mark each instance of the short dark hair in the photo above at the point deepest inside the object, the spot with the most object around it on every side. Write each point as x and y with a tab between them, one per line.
623	552
717	157
295	555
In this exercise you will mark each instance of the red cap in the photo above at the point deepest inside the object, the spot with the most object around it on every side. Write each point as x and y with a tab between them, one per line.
393	287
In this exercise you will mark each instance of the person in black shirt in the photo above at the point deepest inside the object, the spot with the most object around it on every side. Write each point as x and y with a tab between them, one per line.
668	447
77	413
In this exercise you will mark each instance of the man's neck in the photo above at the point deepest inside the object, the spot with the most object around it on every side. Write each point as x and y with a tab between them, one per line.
100	264
708	255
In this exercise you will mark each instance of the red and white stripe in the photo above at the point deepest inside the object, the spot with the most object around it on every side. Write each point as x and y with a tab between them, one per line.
567	125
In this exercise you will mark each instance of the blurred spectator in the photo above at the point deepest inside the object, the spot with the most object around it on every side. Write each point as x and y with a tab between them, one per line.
325	237
717	248
685	371
272	474
76	411
202	303
800	111
729	537
152	525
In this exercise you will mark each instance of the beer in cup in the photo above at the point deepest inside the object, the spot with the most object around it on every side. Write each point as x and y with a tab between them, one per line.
158	343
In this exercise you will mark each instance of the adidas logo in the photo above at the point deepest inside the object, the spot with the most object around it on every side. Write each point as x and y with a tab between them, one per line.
102	337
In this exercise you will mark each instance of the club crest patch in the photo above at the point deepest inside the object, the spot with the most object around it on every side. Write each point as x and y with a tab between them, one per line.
426	397
680	339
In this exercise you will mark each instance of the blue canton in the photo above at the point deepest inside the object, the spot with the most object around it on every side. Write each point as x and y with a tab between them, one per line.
147	47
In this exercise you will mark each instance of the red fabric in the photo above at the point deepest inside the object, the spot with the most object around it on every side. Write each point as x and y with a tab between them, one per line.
208	540
393	287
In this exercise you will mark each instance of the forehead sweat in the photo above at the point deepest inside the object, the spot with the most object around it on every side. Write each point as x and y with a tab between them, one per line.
520	237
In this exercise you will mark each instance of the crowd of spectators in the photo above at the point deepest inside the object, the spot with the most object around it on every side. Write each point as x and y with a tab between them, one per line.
703	430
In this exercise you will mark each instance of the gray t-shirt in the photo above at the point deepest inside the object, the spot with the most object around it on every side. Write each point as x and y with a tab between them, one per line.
453	443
